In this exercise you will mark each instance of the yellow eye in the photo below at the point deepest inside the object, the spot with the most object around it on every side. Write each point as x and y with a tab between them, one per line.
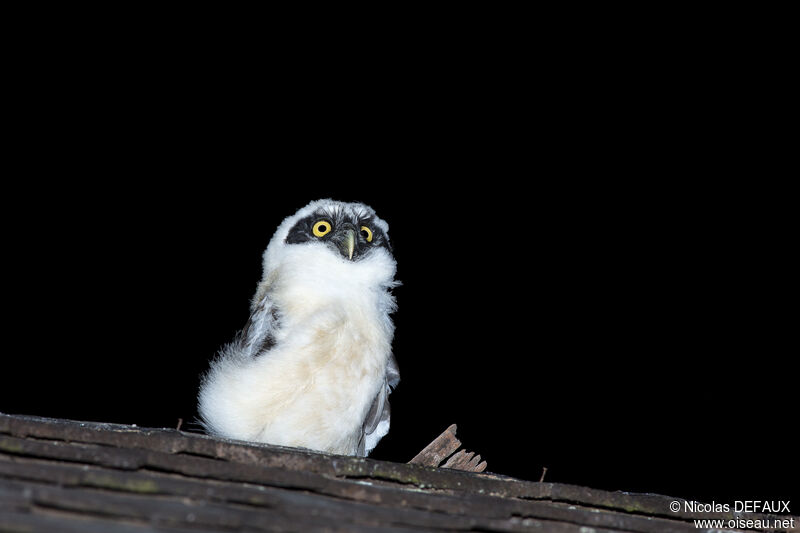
367	233
321	228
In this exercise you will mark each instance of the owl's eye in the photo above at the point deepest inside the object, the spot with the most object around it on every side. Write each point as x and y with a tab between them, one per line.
367	233
321	228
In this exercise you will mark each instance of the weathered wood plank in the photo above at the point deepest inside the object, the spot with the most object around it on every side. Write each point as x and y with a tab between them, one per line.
465	511
155	479
480	508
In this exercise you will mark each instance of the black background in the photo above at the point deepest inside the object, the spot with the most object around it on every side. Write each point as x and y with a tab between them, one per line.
594	265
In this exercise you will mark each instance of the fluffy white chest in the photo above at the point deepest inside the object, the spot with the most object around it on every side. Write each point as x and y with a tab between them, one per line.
316	385
319	385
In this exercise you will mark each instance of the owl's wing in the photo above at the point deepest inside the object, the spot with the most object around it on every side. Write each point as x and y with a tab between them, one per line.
258	335
376	424
392	373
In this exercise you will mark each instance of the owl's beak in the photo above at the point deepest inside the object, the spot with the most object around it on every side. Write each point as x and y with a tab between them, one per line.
348	243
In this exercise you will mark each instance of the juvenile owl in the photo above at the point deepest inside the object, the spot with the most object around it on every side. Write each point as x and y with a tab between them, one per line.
313	366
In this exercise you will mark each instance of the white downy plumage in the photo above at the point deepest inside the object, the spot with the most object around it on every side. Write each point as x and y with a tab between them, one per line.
313	367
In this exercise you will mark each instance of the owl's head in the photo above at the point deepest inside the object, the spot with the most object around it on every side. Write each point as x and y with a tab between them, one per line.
349	229
335	241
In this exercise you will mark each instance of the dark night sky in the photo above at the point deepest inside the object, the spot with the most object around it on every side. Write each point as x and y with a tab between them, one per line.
588	286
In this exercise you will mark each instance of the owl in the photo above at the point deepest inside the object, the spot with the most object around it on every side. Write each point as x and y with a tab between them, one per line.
313	367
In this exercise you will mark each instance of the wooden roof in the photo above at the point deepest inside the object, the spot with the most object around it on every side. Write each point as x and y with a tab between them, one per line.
61	475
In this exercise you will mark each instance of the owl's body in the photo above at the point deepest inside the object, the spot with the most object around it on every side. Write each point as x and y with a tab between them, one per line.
313	367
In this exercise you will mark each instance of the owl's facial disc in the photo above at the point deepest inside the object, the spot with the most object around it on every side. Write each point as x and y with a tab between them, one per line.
353	239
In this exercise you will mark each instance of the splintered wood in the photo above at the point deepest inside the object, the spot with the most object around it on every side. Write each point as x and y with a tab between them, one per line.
443	450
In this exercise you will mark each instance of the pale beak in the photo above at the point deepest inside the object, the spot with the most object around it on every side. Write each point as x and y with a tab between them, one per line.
348	243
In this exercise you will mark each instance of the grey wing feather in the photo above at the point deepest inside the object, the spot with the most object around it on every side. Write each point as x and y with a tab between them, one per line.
392	373
258	335
376	423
